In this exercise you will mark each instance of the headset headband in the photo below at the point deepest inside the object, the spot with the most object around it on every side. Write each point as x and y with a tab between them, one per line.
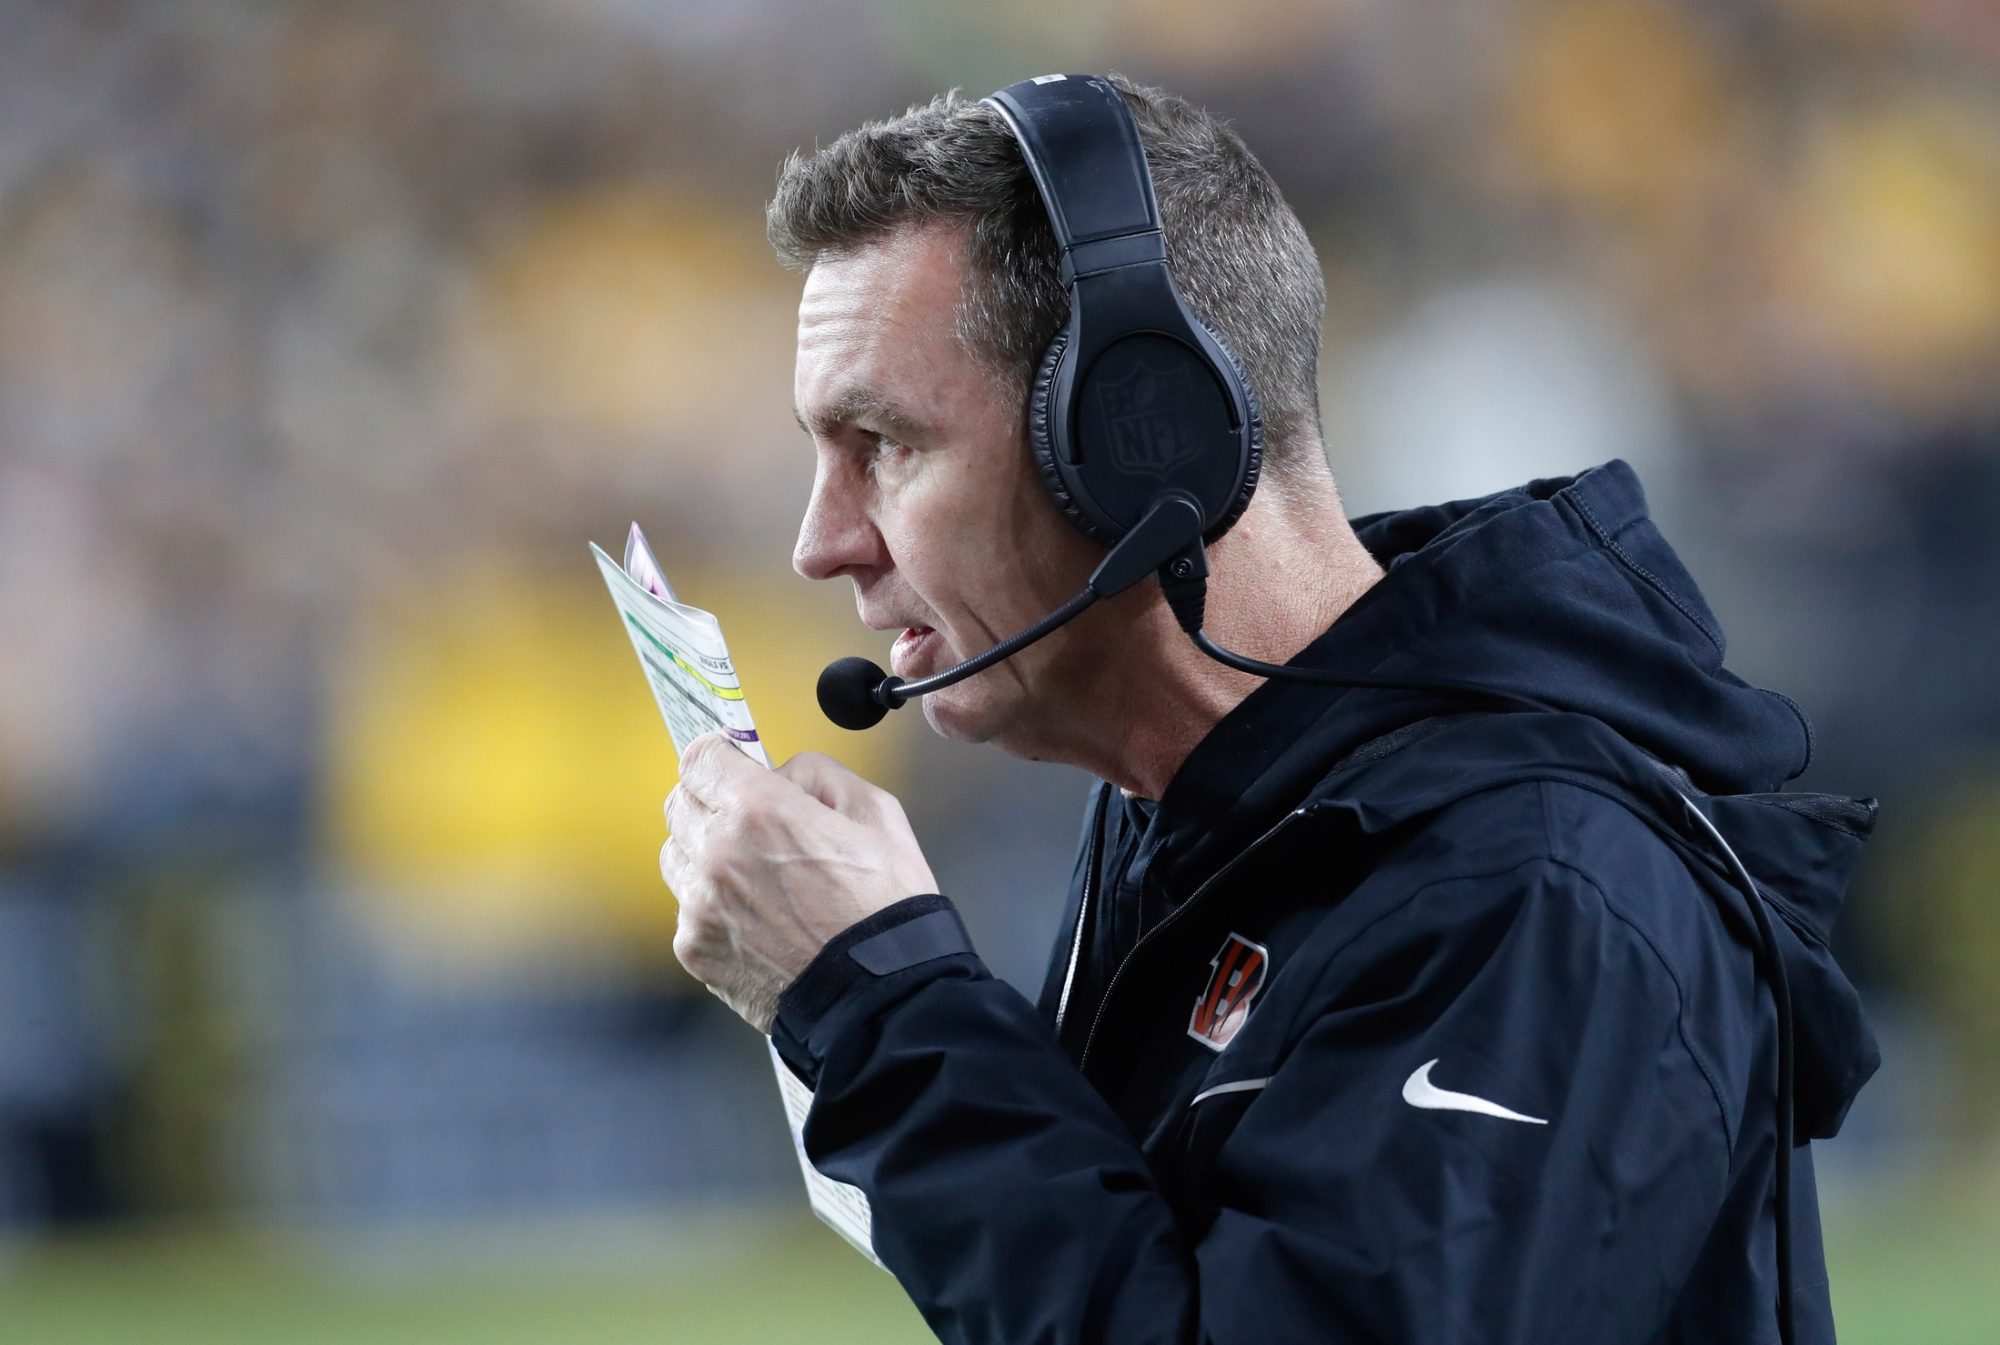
1136	398
1083	148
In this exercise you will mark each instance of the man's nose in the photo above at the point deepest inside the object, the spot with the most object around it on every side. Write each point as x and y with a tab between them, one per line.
836	536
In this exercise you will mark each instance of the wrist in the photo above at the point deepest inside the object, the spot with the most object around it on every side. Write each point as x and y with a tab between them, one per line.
875	950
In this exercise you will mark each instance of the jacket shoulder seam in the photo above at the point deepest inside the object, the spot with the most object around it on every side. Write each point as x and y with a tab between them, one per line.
1631	563
1328	966
1548	856
1666	966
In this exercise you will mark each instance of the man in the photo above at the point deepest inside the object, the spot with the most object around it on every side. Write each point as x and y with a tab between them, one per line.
1379	1015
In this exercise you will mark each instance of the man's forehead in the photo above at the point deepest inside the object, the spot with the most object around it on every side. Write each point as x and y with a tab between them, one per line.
917	265
903	289
931	249
872	320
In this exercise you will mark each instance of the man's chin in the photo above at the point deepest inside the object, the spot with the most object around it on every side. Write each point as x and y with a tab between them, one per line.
960	714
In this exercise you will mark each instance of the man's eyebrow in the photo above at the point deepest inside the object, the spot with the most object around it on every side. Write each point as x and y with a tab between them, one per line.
863	407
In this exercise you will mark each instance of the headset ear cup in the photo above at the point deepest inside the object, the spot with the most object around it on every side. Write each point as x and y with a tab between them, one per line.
1253	466
1041	440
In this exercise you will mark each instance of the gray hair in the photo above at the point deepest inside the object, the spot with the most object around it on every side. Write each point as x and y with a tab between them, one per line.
1240	256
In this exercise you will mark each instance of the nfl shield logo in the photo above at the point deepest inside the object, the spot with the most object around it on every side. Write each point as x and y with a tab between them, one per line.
1144	436
1236	974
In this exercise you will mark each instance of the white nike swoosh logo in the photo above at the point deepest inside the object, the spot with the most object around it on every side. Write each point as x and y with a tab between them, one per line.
1419	1091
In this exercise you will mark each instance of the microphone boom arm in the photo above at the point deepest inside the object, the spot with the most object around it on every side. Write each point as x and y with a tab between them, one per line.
855	693
1173	523
894	690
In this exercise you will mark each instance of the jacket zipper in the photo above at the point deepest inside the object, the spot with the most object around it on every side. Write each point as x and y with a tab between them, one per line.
1083	906
1083	1063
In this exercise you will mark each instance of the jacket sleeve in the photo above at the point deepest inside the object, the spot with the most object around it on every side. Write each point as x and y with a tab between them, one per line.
1353	1194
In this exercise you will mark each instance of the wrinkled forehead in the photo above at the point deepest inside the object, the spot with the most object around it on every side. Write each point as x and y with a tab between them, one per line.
880	322
904	286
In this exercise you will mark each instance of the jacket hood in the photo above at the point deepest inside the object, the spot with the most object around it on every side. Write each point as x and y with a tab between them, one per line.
1562	590
1802	849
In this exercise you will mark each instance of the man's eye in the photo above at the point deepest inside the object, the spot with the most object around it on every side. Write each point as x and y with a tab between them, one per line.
884	445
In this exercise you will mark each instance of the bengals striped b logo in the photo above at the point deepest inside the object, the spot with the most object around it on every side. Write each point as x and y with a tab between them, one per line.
1236	975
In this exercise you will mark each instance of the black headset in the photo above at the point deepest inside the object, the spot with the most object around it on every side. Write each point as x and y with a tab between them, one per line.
1137	396
1142	420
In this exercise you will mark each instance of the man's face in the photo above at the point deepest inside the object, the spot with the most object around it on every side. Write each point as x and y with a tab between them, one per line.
924	494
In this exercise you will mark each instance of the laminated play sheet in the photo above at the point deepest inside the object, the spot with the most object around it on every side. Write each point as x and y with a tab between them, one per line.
687	665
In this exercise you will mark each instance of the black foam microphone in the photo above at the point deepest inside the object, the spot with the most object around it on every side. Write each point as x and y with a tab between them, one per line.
847	693
855	693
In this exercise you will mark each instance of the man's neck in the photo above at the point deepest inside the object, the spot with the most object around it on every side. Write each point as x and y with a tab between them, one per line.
1285	572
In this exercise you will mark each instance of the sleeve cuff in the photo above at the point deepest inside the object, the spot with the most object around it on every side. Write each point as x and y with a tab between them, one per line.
910	933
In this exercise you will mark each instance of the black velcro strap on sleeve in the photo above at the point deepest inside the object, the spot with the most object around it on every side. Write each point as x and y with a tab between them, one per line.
842	961
938	934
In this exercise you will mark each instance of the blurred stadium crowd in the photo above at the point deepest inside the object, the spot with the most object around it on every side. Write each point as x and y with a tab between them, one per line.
329	332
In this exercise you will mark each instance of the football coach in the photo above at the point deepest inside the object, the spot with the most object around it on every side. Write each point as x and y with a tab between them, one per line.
1444	961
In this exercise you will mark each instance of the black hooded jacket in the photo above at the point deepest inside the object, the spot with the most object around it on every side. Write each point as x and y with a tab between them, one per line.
1398	1018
